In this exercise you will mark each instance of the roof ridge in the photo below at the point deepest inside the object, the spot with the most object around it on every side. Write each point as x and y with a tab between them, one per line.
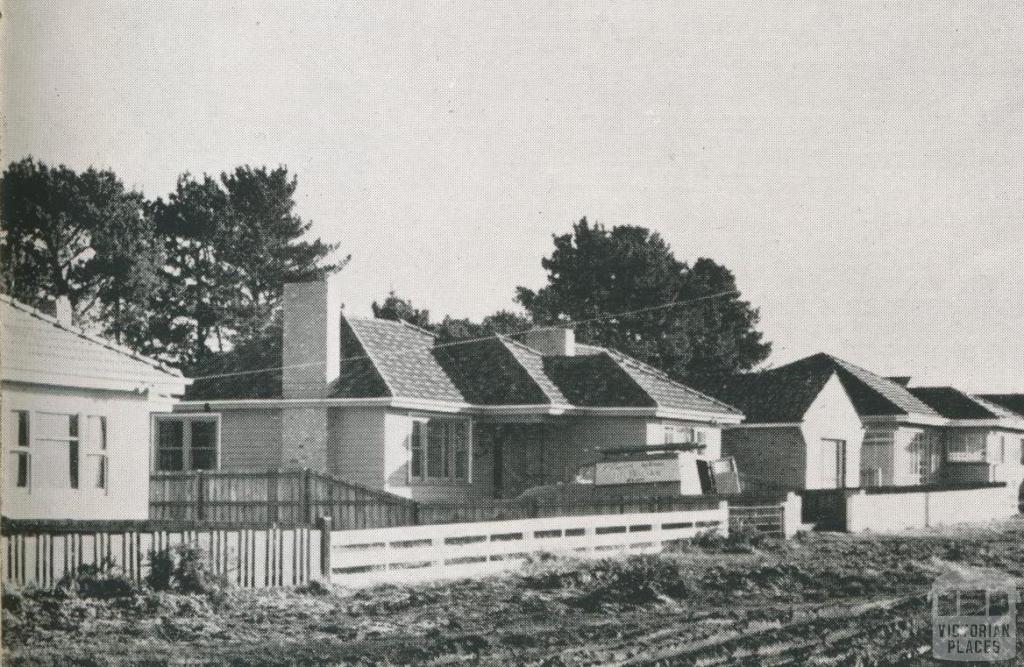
82	333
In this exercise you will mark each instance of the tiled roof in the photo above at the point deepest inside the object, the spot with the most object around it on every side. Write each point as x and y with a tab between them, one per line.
666	392
778	396
404	357
952	403
359	376
783	394
35	347
533	362
1013	402
487	372
595	381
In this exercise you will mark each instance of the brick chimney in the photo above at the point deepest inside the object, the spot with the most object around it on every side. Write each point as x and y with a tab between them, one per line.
552	341
311	347
311	359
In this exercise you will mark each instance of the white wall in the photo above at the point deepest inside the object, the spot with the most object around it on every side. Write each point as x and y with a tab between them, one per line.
832	416
356	450
891	512
49	495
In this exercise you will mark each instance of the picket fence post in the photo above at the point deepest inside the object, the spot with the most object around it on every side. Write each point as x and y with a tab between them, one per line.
324	524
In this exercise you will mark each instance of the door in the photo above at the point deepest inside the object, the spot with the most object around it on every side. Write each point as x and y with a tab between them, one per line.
833	464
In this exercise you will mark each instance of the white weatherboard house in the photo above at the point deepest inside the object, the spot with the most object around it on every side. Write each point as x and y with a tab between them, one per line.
387	405
75	416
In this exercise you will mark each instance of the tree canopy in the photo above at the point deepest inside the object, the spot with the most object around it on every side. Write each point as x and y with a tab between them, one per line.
594	272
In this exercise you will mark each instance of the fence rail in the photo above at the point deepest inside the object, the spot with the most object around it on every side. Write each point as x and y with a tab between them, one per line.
363	557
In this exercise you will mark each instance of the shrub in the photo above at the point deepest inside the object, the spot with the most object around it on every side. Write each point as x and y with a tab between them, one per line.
103	581
183	568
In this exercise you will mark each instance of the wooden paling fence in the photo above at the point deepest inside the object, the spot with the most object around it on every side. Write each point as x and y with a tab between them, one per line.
295	497
43	553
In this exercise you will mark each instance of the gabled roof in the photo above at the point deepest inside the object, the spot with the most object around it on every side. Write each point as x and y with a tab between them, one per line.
783	394
952	403
1013	402
778	396
37	348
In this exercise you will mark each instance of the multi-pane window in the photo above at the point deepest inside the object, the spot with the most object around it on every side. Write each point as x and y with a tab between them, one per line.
96	442
439	449
53	429
186	442
22	453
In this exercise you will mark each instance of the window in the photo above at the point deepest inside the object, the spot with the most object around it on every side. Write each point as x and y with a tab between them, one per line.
187	442
61	430
96	449
444	444
681	435
22	455
1002	449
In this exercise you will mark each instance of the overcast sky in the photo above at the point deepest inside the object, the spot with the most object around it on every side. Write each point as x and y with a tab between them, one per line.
859	169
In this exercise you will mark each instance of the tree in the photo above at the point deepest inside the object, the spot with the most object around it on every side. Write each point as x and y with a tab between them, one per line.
82	236
396	308
594	272
231	245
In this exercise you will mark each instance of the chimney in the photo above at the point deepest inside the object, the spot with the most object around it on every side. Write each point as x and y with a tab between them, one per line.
552	341
63	311
311	347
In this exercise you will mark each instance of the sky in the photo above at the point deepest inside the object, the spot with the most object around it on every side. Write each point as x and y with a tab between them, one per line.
859	166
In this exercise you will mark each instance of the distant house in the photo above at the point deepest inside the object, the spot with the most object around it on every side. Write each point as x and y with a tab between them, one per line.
984	441
911	436
75	413
386	404
801	430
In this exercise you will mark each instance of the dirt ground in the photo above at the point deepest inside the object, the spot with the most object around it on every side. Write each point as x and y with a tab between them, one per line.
820	599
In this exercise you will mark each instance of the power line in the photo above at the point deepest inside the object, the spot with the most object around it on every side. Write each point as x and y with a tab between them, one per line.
464	341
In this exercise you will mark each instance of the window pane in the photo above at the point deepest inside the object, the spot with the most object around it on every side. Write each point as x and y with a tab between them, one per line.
169	460
204	434
170	434
204	459
459	449
73	463
23	471
23	432
416	447
73	426
101	472
435	449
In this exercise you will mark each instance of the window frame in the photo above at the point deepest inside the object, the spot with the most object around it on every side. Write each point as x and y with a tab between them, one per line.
186	418
98	452
73	442
420	446
22	449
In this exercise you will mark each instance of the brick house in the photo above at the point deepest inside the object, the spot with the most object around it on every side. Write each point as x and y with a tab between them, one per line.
75	418
387	405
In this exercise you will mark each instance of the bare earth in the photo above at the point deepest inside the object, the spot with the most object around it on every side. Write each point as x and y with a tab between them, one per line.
821	599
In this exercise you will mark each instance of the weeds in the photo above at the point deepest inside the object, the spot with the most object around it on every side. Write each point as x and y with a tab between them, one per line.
184	568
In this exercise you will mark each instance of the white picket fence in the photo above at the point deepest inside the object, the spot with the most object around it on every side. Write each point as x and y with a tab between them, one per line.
398	555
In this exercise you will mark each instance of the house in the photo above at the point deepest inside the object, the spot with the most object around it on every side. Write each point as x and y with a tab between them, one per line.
911	436
75	416
387	405
984	441
801	430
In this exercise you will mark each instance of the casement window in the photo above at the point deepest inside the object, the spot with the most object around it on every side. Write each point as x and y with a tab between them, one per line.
61	430
439	449
186	442
22	452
